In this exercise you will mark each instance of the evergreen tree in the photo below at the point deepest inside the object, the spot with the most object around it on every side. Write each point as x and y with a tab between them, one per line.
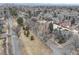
50	27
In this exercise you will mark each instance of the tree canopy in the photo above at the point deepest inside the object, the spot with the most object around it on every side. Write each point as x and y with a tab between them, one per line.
20	21
13	11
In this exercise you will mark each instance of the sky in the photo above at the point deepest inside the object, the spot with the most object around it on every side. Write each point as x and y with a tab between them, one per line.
42	1
47	2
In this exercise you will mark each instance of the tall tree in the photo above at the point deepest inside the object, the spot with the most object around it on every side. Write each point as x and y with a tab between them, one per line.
73	21
50	27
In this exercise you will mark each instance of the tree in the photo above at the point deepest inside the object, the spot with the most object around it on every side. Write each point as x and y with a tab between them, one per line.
50	27
4	12
29	12
24	32
26	28
45	11
73	21
28	33
0	30
61	39
32	37
55	15
69	17
13	11
20	21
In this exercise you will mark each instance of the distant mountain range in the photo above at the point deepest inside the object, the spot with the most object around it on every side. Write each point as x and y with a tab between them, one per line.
38	4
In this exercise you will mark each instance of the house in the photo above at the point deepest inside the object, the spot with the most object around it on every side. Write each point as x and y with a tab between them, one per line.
65	23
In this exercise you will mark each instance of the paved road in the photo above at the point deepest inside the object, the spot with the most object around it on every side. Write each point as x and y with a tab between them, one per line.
14	39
